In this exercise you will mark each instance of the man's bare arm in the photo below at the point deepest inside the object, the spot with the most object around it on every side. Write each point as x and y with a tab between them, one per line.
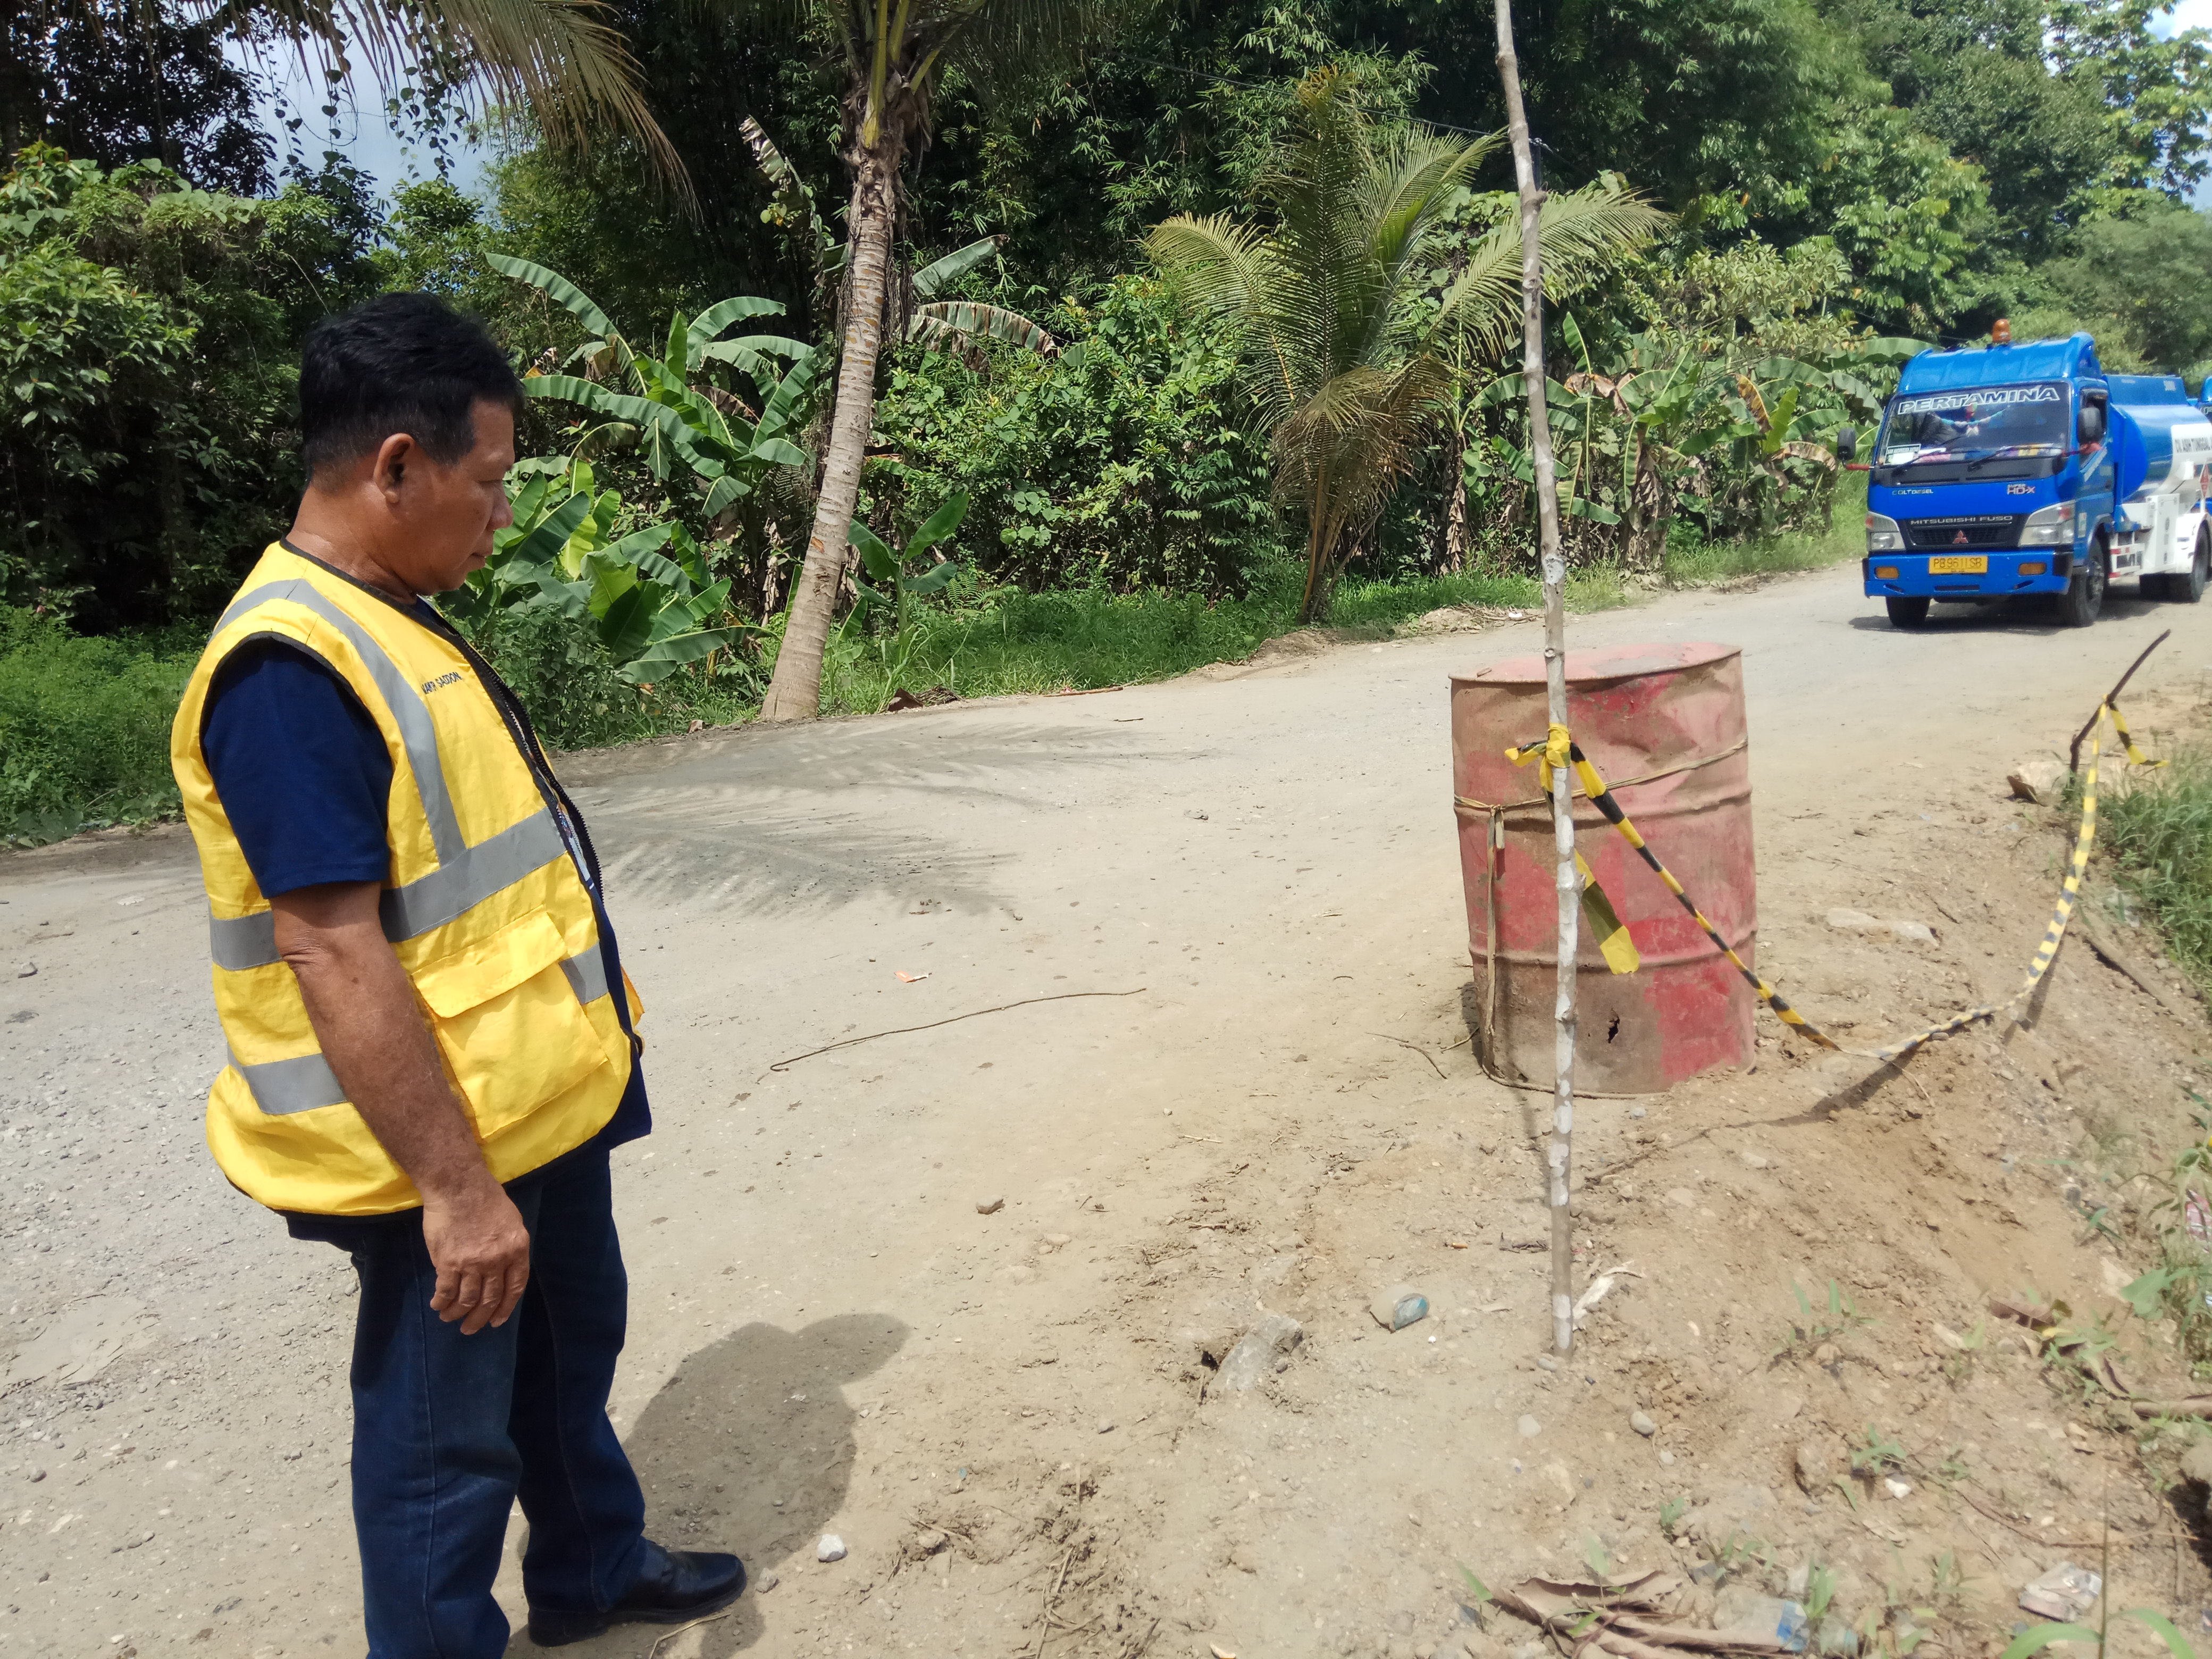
374	1035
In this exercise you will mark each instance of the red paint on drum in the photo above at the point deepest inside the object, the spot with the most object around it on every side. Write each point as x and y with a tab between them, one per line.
1635	710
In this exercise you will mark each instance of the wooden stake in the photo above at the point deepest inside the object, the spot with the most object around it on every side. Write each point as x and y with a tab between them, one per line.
1555	679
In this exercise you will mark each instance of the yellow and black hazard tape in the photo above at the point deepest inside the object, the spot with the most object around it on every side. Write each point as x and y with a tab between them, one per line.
1559	749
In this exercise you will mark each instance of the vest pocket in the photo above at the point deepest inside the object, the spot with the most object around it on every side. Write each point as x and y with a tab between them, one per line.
509	1023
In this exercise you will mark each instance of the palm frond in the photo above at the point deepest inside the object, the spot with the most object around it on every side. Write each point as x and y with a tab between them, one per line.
565	59
1577	234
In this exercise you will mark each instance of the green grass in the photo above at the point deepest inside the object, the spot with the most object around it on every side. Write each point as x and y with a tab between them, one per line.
84	730
1691	562
2158	834
1080	641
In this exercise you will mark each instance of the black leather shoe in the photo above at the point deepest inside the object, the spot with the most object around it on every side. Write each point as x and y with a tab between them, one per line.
673	1586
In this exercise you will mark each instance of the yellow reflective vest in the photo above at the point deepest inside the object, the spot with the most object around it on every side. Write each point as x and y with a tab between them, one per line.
486	903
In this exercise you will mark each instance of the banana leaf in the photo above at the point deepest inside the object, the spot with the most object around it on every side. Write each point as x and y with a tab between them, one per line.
542	545
712	321
749	353
558	287
727	492
940	524
933	581
953	266
678	649
626	625
875	553
788	402
945	325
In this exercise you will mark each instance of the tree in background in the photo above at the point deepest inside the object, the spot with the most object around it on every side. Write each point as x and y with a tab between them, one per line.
147	381
1342	361
114	82
561	59
894	58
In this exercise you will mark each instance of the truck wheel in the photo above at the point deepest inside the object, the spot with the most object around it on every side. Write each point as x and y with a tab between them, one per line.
1907	613
2189	587
2085	595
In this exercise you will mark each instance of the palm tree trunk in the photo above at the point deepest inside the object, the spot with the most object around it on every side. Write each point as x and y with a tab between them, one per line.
795	692
1455	558
1320	545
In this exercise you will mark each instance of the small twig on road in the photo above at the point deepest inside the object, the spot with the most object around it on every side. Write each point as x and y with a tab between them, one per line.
653	1652
1065	996
1415	1047
1045	1621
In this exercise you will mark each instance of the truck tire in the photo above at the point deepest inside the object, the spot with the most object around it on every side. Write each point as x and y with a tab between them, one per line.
2085	595
1907	613
2188	587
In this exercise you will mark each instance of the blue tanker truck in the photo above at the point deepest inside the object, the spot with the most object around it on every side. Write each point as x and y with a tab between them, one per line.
2011	470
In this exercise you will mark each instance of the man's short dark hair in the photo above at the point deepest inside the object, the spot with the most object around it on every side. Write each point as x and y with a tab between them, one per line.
400	363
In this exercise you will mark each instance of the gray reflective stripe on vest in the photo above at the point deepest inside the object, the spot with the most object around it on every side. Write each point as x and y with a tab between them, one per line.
416	732
305	1081
587	974
465	875
449	892
281	1087
242	942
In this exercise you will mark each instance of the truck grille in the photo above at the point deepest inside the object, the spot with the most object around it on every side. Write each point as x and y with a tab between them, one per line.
1944	535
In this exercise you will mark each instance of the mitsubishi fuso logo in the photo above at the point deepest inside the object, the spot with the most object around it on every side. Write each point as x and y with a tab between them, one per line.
1959	540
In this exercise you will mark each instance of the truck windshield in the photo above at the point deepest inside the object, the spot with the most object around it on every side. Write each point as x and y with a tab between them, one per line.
1976	424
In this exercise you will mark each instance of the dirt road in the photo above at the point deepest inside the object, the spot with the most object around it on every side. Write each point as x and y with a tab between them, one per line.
826	1334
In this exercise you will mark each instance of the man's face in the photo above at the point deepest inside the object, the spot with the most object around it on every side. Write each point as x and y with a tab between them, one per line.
443	516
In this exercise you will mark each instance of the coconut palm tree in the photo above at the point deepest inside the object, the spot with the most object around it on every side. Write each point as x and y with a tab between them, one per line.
564	60
895	53
1347	348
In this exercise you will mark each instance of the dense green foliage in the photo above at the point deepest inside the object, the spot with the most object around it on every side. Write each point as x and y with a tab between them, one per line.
84	728
147	367
1838	175
1118	464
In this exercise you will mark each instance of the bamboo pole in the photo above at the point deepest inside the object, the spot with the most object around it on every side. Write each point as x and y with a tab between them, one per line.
1560	1152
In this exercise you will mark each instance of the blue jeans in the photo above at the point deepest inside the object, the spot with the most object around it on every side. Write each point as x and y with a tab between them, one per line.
449	1430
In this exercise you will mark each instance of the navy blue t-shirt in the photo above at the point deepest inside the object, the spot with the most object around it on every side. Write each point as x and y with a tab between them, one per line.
305	779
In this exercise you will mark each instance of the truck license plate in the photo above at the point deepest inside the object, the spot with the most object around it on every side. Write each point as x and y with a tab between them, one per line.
1959	564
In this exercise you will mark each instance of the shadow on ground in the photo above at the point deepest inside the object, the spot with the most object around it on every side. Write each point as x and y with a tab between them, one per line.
749	1447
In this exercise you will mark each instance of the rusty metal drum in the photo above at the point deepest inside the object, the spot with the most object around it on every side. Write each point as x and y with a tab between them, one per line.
1664	725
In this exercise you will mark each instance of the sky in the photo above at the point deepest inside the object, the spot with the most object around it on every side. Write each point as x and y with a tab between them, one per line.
366	137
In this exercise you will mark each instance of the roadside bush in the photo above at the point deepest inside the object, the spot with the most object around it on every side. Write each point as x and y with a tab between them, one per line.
84	730
1118	466
576	699
2158	834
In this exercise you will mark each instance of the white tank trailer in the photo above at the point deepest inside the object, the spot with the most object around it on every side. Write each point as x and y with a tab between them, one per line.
2161	454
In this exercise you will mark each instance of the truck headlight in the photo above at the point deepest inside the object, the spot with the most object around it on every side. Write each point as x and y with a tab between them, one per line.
2049	526
1883	535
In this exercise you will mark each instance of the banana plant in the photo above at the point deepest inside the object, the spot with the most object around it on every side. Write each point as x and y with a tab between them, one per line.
647	596
936	325
892	569
668	408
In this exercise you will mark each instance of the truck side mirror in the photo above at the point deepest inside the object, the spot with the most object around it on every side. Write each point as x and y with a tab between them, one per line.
2093	425
1847	443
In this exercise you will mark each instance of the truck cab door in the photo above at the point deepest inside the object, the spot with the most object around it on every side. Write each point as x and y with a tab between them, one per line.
2094	453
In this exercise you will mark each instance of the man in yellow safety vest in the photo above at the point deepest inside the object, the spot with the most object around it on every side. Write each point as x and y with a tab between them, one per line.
431	1039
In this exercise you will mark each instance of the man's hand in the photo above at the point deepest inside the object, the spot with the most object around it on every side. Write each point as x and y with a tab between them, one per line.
482	1252
373	1033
